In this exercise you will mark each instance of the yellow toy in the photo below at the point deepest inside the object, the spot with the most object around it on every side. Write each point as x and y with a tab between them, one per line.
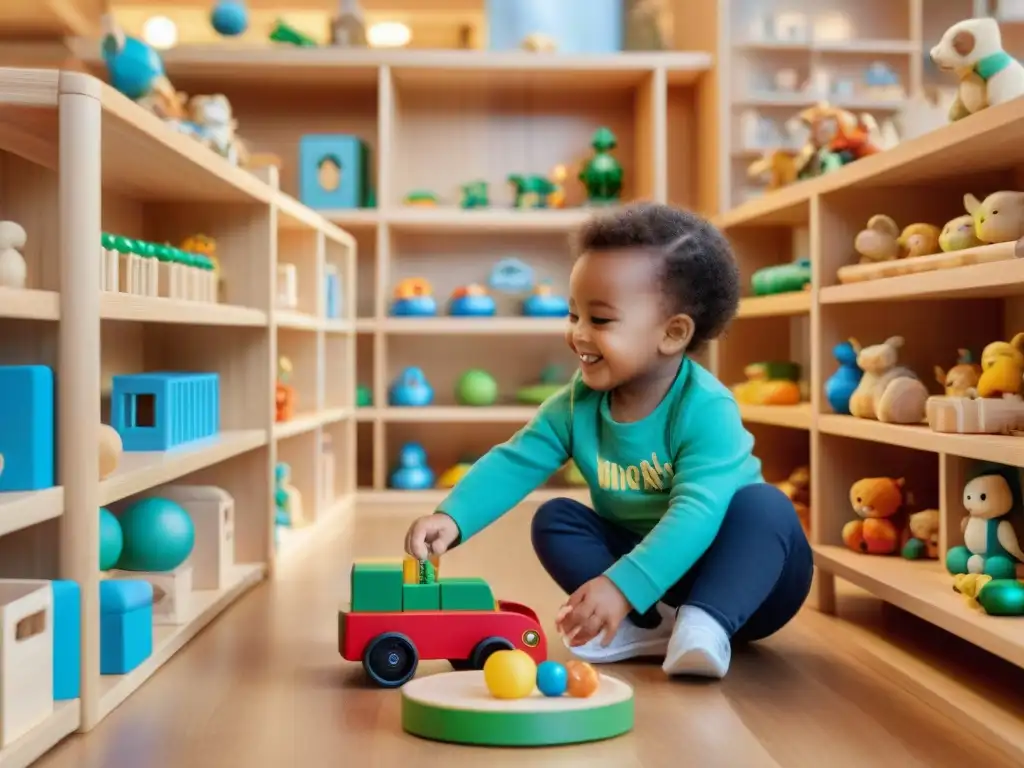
999	218
1002	366
962	379
779	165
959	234
769	384
510	674
453	475
556	198
919	240
888	392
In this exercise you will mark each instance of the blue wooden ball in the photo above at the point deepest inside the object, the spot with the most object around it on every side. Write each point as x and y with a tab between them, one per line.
158	536
229	18
552	678
111	539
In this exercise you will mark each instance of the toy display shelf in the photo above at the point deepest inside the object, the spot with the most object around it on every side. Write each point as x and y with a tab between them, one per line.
436	120
938	312
78	159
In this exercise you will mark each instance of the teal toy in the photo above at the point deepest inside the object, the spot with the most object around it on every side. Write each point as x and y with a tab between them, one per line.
531	191
990	541
412	473
229	18
471	301
476	387
544	302
474	195
158	536
364	396
111	539
133	67
282	513
996	597
411	389
602	173
511	275
840	385
781	278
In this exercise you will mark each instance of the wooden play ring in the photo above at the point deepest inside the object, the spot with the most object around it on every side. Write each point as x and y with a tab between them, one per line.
456	707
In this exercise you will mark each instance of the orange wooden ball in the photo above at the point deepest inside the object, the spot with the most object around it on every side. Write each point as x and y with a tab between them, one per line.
583	679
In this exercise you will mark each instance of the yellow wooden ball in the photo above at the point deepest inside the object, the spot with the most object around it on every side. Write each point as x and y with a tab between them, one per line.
510	674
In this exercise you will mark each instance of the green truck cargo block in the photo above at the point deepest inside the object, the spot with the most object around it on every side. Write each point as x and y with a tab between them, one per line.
421	597
466	594
377	587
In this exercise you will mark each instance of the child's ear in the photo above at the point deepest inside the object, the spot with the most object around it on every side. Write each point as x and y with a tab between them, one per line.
678	334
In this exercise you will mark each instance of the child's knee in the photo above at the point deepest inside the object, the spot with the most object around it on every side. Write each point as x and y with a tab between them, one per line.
762	507
554	517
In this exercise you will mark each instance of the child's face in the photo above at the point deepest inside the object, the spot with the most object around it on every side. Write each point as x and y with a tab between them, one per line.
618	323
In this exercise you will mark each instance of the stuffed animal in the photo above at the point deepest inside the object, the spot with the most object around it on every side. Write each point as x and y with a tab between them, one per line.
888	392
962	379
923	542
988	75
779	165
919	240
879	529
1002	368
990	541
879	241
959	234
999	218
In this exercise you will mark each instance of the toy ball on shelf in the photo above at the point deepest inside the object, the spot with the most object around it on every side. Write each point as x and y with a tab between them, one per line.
544	302
471	301
412	472
411	388
111	539
552	678
158	536
414	298
364	396
110	450
229	17
510	674
511	275
133	67
476	387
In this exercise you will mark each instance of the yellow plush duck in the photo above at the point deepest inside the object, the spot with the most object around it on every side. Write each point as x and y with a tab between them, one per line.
1002	366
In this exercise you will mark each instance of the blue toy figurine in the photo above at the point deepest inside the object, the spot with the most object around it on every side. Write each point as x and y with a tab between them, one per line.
411	389
412	472
544	302
229	17
133	67
511	275
471	301
414	297
841	384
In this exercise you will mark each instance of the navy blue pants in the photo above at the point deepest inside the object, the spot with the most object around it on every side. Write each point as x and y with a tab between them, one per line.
753	579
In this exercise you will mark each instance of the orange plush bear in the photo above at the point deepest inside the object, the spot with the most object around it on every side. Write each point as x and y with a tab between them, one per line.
879	503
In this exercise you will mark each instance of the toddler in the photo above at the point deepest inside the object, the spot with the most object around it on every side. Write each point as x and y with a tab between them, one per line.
687	549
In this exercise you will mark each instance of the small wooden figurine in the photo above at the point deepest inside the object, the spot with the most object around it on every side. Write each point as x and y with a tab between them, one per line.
13	270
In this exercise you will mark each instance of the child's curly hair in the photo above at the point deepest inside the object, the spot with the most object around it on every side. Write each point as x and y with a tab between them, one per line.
700	274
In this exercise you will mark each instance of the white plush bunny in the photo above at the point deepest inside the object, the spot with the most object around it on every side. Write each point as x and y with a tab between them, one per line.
13	272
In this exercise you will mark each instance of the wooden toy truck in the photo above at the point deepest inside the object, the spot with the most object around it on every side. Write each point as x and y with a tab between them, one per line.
402	612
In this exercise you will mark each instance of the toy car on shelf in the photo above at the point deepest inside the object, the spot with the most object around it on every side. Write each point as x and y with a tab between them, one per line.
402	612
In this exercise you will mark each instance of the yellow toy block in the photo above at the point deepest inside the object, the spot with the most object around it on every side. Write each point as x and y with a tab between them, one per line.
410	570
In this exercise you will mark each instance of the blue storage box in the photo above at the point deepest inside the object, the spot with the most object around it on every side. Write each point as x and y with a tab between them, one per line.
160	411
334	171
26	428
126	624
576	26
67	640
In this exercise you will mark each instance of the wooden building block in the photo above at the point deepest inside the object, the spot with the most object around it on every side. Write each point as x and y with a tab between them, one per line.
377	586
421	597
466	594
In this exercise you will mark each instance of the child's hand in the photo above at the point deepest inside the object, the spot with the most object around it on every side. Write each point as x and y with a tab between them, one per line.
431	535
598	606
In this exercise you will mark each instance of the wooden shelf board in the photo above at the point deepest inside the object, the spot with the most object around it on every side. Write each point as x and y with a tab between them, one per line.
338	326
293	541
22	509
789	206
354	218
437	495
925	589
793	416
997	279
294	215
140	471
446	219
366	325
298	321
515	414
334	415
148	160
974	689
152	309
29	304
1000	448
299	425
474	326
778	305
62	723
167	640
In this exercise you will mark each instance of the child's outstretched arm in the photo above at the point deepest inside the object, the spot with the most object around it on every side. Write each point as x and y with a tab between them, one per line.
714	462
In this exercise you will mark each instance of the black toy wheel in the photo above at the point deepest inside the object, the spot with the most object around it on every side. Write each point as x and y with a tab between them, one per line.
390	659
485	648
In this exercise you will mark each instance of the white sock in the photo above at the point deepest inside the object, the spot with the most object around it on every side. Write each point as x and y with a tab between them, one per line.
699	645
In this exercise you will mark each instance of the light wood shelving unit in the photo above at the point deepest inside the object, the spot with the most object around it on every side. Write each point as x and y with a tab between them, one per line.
938	312
437	119
78	158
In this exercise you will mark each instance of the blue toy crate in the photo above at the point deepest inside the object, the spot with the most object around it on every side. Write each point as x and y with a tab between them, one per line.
126	624
160	411
26	428
334	171
67	636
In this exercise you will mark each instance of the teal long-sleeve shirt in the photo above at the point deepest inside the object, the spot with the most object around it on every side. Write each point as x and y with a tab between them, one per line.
669	477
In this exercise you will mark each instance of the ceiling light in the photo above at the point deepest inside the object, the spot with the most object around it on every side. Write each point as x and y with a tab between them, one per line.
160	32
388	34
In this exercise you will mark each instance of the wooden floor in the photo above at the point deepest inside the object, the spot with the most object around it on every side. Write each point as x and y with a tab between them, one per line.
264	686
